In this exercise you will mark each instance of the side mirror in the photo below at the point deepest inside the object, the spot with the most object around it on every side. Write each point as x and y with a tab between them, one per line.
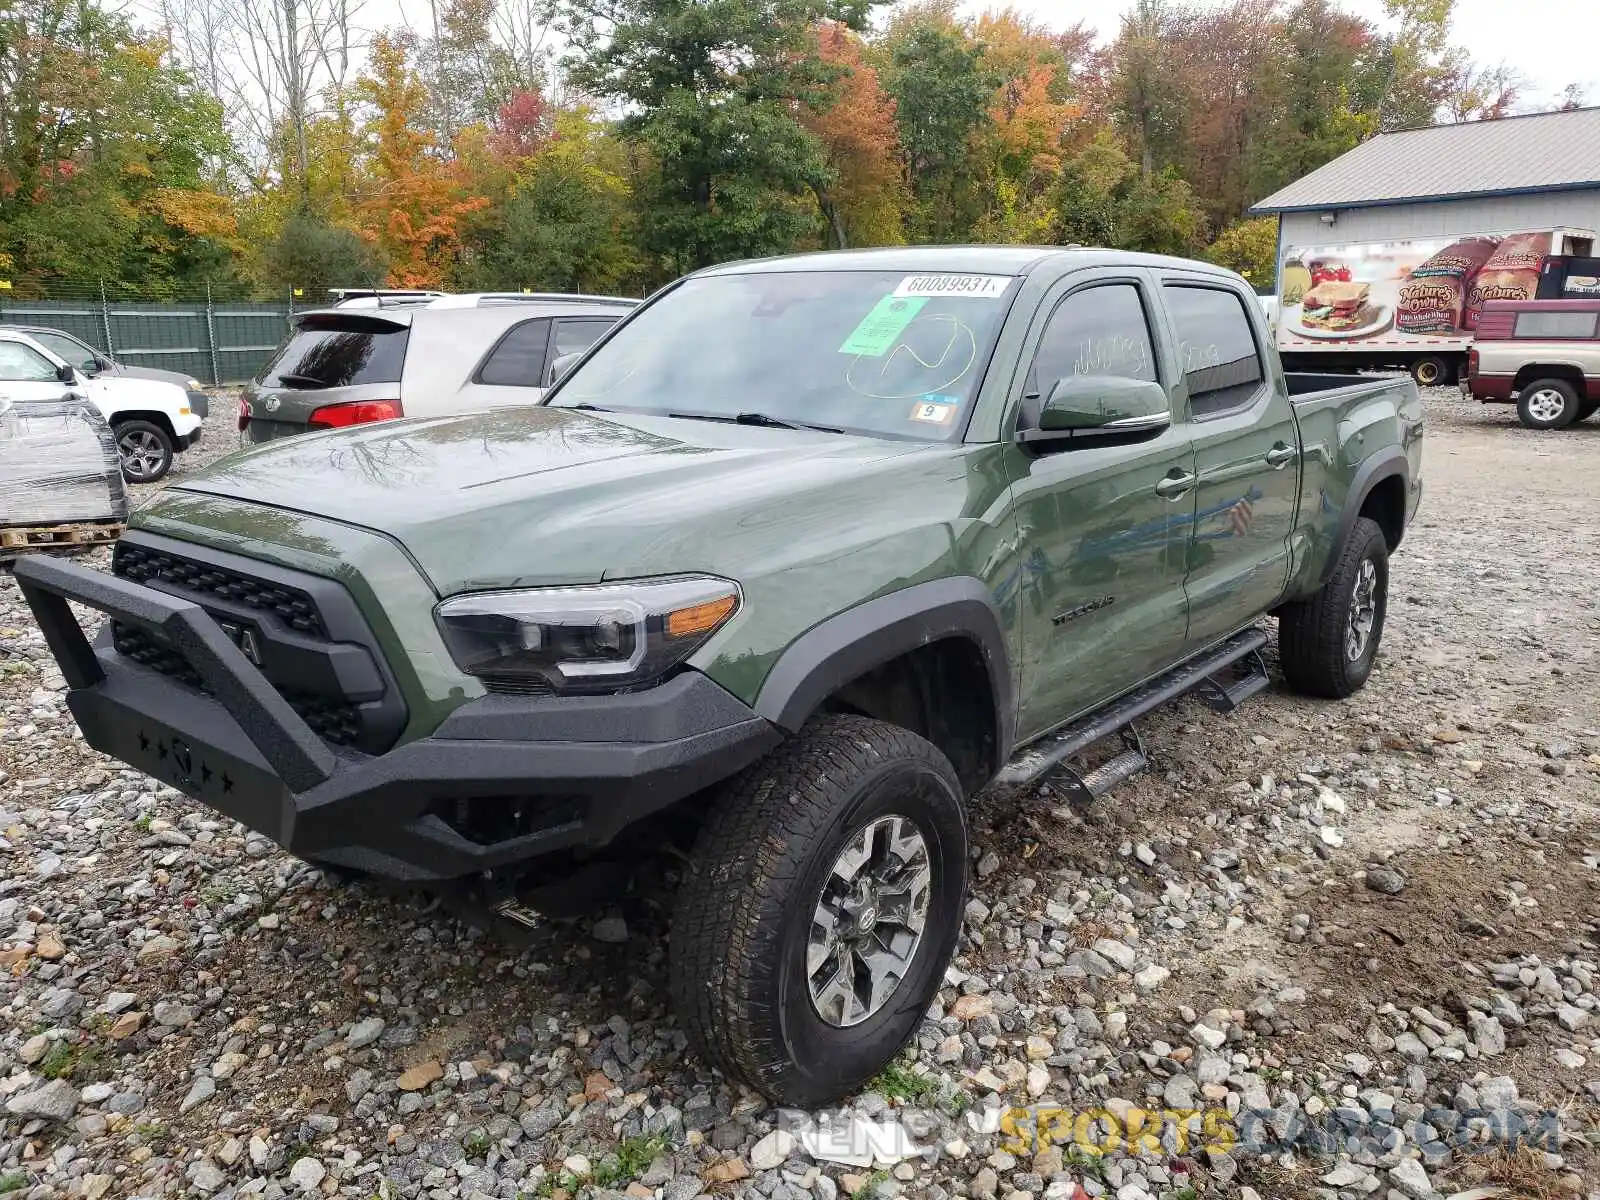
560	365
66	374
102	363
1081	405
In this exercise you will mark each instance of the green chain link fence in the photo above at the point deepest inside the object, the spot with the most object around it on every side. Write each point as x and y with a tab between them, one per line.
217	340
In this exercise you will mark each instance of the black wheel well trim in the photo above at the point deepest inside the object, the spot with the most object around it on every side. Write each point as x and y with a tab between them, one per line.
1533	373
152	417
846	646
1388	464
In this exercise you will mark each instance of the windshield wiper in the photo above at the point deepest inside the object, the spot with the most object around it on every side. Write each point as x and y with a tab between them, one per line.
302	381
586	407
756	418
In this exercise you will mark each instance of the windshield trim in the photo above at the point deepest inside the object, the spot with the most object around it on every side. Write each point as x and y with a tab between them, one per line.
958	432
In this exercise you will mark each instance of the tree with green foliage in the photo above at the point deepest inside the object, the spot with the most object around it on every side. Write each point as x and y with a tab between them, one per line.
314	254
1104	198
106	153
934	72
1250	248
567	224
711	93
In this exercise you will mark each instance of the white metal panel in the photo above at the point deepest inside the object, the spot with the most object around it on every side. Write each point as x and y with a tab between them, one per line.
1446	218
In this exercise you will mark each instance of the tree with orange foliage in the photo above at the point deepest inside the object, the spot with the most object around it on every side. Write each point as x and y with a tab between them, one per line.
865	203
415	200
1029	115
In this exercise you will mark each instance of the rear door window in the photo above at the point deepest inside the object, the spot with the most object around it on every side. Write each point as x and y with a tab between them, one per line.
518	359
1221	361
1556	324
346	353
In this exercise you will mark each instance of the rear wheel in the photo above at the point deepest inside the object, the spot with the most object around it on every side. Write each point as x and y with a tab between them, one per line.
1327	644
820	909
1548	404
1431	371
145	451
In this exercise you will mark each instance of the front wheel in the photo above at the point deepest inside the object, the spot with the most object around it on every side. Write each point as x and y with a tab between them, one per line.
820	909
1548	404
1327	644
145	451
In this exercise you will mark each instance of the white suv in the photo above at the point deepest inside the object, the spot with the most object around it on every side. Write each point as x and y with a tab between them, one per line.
151	420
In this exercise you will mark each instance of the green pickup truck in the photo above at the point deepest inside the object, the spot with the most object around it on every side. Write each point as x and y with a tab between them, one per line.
797	558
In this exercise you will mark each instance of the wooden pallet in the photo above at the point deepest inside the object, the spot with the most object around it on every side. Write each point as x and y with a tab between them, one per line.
80	536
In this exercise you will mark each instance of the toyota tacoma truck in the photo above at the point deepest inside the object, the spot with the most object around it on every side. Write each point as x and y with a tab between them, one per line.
798	557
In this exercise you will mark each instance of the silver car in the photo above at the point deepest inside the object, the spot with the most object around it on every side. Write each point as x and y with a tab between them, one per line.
348	366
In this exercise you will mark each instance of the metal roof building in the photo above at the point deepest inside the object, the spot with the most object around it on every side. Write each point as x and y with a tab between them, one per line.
1541	170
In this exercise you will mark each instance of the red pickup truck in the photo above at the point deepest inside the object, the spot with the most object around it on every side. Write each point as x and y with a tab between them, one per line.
1542	355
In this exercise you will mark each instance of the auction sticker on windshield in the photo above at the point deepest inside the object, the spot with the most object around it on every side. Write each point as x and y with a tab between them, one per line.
882	325
977	287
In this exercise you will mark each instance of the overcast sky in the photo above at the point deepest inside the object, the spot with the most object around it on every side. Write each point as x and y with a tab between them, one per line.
1525	34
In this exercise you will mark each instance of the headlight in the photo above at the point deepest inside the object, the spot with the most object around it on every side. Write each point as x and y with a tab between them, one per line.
600	638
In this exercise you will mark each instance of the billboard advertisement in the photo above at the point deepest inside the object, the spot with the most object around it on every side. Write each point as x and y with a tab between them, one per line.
1420	292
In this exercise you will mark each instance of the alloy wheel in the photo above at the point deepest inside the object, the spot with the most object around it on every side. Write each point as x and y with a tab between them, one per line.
141	453
1363	611
868	921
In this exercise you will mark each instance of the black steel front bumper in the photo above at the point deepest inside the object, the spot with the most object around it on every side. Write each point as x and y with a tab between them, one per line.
568	772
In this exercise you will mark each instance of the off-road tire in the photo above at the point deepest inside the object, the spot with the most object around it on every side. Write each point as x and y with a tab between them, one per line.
1529	398
744	909
150	440
1312	633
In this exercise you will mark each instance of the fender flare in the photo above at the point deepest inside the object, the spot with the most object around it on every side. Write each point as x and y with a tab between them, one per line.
849	644
1386	464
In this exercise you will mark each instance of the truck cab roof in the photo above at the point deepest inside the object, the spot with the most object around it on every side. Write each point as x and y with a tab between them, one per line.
977	259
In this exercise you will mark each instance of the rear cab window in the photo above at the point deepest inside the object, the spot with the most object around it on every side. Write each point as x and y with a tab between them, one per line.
343	351
1556	324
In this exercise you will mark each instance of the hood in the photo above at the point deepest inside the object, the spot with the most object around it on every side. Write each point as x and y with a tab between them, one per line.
530	496
176	378
122	391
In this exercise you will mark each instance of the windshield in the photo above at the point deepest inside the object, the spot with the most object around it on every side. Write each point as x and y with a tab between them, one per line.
876	352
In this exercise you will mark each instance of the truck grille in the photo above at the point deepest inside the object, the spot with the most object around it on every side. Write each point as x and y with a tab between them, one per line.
291	606
331	720
320	618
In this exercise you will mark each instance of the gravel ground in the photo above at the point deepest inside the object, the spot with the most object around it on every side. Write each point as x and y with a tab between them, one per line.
1361	938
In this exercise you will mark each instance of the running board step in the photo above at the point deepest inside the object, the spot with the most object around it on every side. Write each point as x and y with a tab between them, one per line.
1227	689
1043	757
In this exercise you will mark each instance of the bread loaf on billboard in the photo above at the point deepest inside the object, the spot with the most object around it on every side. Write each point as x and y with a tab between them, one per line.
1511	273
1434	298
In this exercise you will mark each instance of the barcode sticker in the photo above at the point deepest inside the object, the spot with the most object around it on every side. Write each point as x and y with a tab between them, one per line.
977	287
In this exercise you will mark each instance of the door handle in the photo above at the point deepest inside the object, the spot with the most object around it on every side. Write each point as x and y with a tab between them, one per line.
1171	487
1281	456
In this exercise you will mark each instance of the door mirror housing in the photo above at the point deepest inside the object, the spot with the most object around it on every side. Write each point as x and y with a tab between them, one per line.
560	365
66	374
1083	407
102	363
